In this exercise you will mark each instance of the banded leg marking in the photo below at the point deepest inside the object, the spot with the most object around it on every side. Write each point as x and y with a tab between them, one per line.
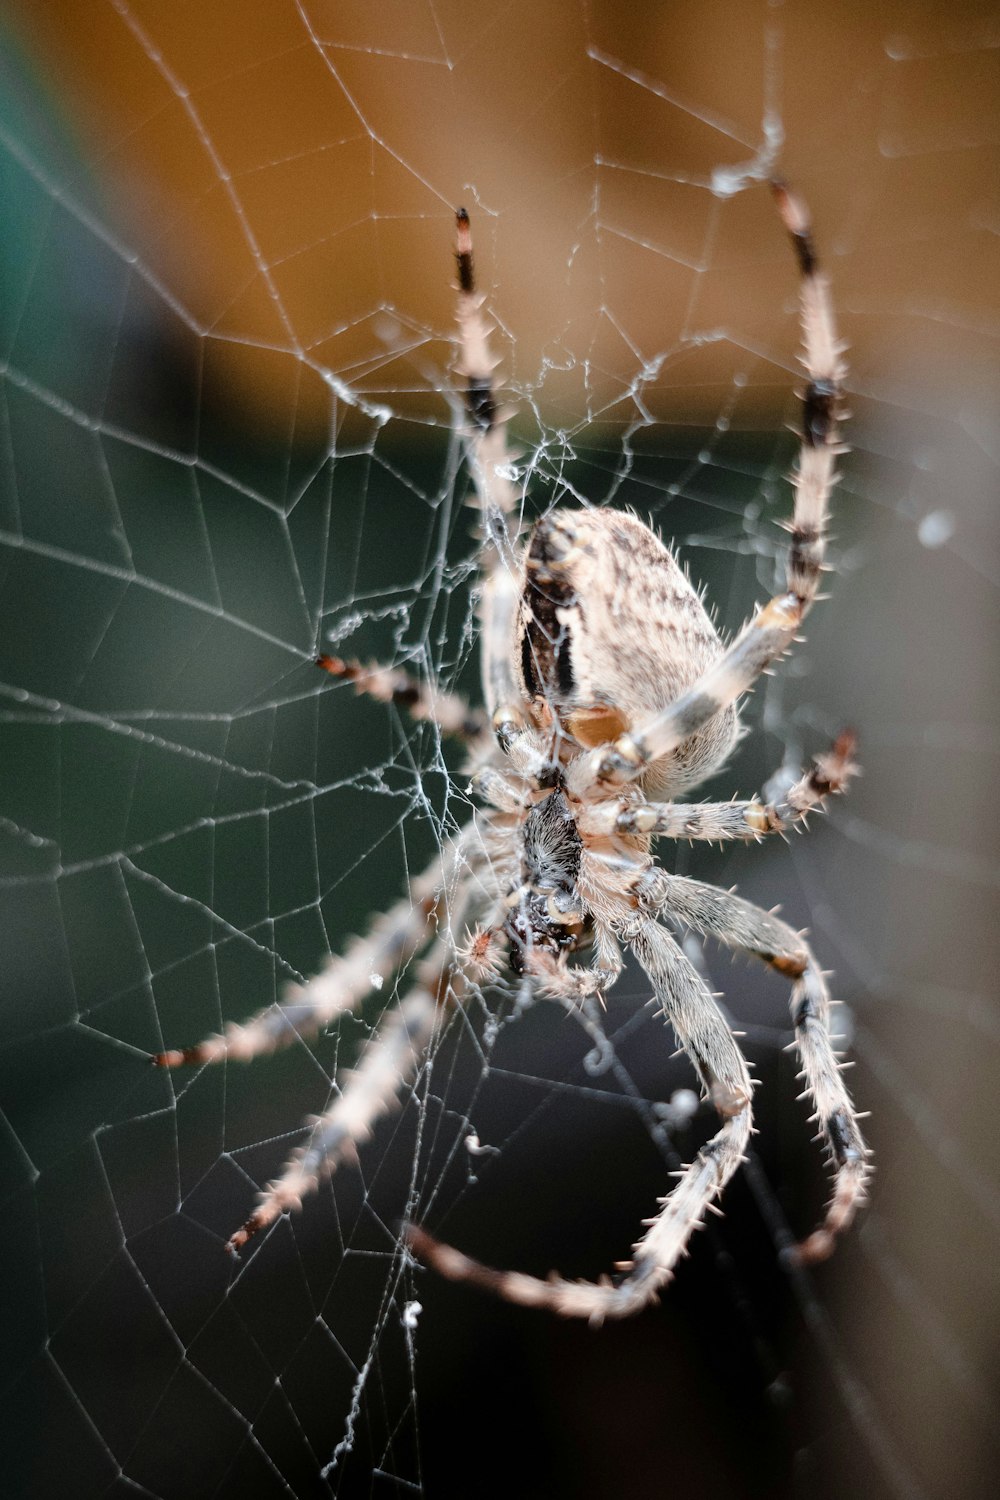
829	774
489	462
740	924
701	1028
774	629
422	700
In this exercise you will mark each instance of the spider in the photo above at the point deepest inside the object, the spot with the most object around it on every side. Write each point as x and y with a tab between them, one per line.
610	695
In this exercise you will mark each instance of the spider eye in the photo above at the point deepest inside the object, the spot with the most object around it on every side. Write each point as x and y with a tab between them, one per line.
550	775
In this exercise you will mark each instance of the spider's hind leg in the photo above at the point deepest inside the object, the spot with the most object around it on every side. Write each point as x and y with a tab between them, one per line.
422	700
489	459
773	630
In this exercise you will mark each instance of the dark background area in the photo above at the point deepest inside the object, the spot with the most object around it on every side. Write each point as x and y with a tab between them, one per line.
212	222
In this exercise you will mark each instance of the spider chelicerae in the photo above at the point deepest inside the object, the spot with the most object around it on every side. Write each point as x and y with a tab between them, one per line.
609	696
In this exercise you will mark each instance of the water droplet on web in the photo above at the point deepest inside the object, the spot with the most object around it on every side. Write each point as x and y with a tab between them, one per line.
936	528
683	1105
411	1312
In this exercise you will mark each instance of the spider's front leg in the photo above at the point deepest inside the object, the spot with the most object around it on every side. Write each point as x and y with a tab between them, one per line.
445	891
740	924
388	1064
342	984
705	1036
366	1093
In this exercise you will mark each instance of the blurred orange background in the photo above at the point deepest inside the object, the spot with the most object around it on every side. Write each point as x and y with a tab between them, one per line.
284	179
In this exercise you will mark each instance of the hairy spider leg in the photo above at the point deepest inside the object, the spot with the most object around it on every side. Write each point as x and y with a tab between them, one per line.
717	821
367	1092
390	1060
392	1057
740	924
489	459
625	892
774	628
340	986
702	1030
422	698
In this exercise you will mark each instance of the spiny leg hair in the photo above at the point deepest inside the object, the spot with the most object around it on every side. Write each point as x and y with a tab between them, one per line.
391	1058
773	630
702	1031
424	701
367	1092
395	937
489	460
740	924
829	774
586	877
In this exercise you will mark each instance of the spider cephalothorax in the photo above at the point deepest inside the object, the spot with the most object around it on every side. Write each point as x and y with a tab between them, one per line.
609	694
545	912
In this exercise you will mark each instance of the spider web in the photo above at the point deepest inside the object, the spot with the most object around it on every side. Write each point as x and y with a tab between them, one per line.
227	443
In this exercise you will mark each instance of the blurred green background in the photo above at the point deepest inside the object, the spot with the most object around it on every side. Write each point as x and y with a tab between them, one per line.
226	321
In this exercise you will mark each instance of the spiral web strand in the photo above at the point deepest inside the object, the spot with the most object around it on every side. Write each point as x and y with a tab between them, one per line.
227	449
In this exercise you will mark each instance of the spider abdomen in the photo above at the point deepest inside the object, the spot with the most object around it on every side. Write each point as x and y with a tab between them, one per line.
610	632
